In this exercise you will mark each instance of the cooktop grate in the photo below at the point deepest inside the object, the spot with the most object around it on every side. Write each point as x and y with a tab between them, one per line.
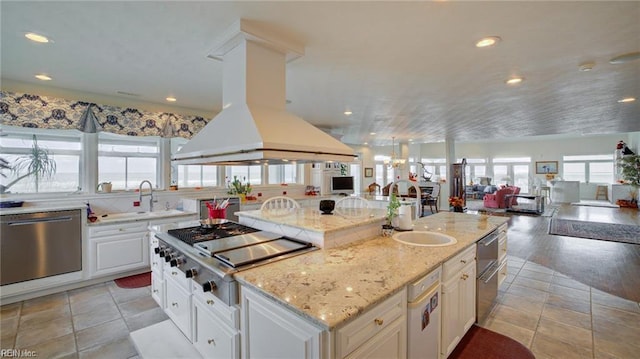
192	235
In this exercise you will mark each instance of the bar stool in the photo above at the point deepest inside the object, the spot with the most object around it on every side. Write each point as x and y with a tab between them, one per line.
602	191
546	192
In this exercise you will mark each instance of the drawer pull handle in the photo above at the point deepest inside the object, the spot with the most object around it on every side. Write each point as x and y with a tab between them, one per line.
174	304
174	273
463	261
465	276
211	341
155	291
379	321
209	301
504	249
121	229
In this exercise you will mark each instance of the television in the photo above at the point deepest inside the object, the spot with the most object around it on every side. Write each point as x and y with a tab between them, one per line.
343	184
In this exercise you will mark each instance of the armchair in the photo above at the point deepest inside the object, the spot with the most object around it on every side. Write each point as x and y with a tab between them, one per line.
497	199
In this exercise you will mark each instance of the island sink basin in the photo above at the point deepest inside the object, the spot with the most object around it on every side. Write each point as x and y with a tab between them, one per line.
424	239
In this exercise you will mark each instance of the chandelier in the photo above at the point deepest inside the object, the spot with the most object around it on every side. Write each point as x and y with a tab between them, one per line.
394	161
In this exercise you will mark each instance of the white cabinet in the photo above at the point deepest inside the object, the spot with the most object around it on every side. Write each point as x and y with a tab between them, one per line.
178	306
502	253
210	337
458	299
118	248
381	332
271	331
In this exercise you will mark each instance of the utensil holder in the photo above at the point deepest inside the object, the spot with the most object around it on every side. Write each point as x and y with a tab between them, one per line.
218	213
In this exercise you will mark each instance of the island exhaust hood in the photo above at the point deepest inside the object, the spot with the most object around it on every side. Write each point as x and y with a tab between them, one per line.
254	126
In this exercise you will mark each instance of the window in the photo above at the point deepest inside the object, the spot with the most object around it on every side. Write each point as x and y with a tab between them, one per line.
252	174
197	176
125	161
437	167
516	169
283	173
63	147
588	168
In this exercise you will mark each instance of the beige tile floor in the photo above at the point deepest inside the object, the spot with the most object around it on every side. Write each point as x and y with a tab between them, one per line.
90	322
557	317
551	314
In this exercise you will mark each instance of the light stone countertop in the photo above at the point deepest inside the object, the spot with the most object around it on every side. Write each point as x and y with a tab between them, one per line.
312	220
30	207
332	286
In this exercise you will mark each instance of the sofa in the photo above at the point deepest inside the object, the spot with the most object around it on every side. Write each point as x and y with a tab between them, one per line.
478	191
498	199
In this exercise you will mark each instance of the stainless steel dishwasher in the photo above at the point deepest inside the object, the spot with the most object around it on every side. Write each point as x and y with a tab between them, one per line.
40	244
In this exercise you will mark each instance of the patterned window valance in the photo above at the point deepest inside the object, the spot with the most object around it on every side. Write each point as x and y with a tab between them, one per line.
25	110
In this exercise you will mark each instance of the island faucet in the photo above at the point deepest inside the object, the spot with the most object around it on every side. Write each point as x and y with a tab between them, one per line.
150	194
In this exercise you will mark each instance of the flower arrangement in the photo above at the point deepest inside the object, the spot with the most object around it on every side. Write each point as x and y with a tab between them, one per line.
237	187
456	201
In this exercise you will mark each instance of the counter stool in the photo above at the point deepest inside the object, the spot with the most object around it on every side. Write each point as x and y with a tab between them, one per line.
546	192
602	191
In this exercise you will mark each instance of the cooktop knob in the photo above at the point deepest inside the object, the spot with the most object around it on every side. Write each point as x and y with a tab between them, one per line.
191	273
168	256
209	286
176	261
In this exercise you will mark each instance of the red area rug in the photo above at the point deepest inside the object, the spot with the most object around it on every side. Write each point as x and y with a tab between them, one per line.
486	344
134	281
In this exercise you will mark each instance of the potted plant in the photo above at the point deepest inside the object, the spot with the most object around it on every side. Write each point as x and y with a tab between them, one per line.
37	163
630	171
237	187
392	212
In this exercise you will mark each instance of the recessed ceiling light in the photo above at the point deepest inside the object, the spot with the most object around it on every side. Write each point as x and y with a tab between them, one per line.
366	143
128	93
586	66
627	99
43	77
514	80
488	41
348	113
372	133
171	99
632	56
36	37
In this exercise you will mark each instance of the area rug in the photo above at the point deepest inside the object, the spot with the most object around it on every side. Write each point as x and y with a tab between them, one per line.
486	344
134	281
625	233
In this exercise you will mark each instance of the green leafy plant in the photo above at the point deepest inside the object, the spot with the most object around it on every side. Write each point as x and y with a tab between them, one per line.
237	187
392	208
38	164
630	169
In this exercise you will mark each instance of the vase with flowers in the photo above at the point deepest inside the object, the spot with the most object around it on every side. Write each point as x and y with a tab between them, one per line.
237	187
456	203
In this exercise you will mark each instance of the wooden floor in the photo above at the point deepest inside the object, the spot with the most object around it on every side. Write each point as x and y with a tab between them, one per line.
608	266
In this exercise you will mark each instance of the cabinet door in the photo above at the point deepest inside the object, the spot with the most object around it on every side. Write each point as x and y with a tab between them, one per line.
212	338
113	254
178	306
450	322
467	297
387	344
157	289
270	331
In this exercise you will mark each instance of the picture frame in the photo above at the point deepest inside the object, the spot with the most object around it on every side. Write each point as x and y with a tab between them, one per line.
368	171
546	167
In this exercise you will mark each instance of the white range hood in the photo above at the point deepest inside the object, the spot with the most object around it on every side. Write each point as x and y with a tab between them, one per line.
254	126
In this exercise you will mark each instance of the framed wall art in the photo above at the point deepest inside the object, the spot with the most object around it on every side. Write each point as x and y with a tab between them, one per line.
546	167
368	171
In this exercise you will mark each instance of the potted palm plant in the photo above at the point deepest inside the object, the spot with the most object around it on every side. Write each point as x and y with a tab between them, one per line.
37	164
630	170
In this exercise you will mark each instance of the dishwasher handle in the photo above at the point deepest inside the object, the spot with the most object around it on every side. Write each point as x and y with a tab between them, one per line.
490	238
490	273
24	222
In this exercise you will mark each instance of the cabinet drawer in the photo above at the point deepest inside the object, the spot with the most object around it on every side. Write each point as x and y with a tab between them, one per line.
354	334
502	247
157	289
212	338
455	264
228	315
178	306
415	289
502	272
502	229
114	229
178	276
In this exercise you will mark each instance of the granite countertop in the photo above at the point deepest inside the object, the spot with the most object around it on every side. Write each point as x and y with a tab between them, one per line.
113	218
311	219
30	207
332	286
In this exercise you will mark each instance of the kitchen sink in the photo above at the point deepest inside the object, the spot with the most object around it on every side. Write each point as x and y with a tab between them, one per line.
424	239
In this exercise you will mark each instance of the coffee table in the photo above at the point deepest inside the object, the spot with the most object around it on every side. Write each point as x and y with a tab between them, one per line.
536	207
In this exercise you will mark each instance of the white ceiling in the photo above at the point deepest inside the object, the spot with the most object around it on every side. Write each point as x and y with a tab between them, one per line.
405	69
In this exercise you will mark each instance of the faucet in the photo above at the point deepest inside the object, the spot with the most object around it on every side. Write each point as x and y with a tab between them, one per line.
150	194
